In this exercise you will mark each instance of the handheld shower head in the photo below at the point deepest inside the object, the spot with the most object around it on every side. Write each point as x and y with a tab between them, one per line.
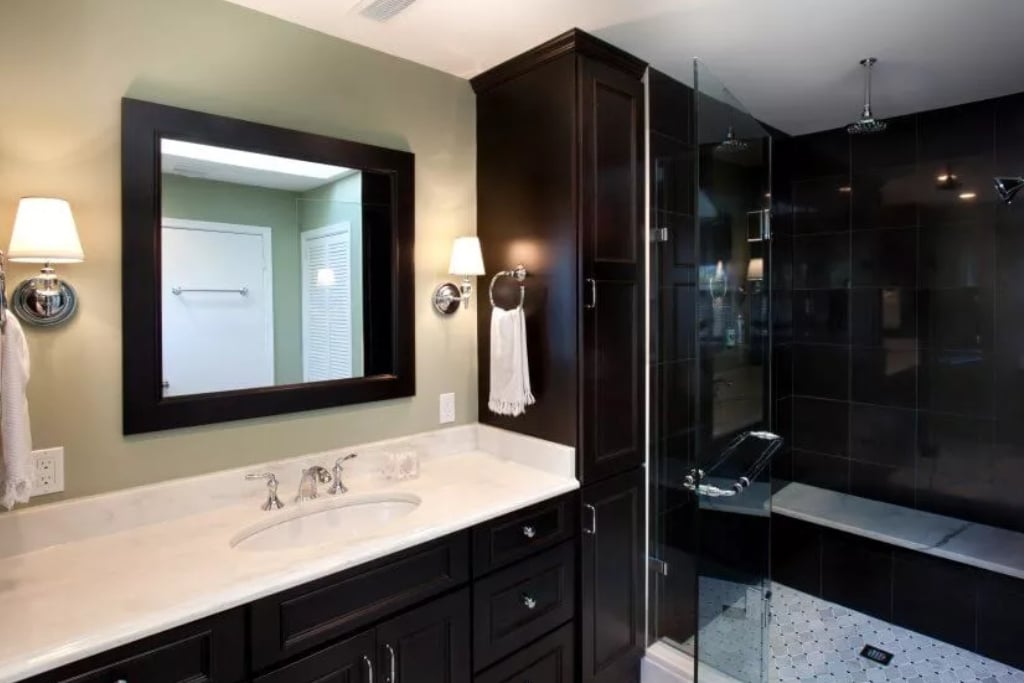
1008	188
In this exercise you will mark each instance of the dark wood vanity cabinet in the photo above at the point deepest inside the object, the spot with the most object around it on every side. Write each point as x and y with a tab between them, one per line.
560	180
429	614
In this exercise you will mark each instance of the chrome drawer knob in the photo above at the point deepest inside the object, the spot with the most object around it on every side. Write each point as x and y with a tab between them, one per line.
529	531
529	602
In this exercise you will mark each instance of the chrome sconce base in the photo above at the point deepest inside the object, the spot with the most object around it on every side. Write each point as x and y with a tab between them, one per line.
447	296
44	300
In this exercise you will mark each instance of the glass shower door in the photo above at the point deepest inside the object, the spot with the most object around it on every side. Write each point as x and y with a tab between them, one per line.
731	480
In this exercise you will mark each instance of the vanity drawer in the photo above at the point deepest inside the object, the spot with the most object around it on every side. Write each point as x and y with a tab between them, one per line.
524	532
211	650
299	619
519	604
549	660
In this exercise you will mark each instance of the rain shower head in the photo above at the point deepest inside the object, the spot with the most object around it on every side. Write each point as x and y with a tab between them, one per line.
731	143
1008	188
867	123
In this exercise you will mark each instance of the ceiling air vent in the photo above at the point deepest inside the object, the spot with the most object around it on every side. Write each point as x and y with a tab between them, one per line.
381	10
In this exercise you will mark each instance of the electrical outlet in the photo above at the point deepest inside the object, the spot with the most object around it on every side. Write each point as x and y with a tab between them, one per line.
49	471
447	408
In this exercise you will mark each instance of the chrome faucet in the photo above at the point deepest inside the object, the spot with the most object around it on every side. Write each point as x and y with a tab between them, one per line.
273	502
310	478
337	486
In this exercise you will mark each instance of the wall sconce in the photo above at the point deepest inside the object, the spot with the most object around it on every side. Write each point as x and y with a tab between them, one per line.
466	261
44	232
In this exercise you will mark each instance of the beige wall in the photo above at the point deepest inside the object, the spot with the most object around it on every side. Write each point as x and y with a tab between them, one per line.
64	66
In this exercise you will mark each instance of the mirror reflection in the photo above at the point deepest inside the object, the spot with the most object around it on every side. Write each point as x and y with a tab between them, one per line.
262	270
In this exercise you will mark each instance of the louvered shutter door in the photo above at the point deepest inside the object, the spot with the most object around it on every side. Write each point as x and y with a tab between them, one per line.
327	304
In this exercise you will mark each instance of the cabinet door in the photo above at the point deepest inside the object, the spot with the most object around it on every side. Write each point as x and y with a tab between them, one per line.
350	661
612	291
427	645
612	579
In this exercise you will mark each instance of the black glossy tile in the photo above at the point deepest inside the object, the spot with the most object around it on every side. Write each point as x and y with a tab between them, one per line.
825	471
674	262
961	131
820	426
782	371
887	483
882	435
883	317
895	146
819	154
884	197
1001	618
884	258
820	204
959	382
673	166
821	316
960	318
782	316
857	573
821	371
821	261
781	262
1009	135
1009	306
796	554
670	106
956	191
957	255
673	321
884	376
675	400
934	597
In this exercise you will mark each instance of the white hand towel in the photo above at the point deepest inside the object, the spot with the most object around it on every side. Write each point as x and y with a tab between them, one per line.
15	432
510	364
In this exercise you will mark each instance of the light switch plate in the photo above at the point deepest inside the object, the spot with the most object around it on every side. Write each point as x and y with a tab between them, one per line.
48	475
447	412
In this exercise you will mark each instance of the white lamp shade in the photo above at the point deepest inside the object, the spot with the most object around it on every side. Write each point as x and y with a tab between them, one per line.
755	271
466	257
45	232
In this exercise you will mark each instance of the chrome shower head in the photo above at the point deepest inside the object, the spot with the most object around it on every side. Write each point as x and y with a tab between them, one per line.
867	123
731	143
1008	188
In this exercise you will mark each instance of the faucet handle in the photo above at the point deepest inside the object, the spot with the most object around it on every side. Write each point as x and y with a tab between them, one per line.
273	502
337	486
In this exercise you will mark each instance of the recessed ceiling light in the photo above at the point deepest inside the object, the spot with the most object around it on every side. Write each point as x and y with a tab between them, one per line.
252	160
968	195
845	188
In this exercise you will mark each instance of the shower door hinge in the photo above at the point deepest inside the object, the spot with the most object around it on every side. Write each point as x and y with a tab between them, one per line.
659	235
657	566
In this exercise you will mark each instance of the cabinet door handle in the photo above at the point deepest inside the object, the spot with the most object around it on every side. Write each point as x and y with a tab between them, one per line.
529	531
592	529
369	669
392	664
592	284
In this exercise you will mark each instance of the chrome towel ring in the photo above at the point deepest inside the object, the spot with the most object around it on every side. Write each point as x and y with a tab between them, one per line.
517	273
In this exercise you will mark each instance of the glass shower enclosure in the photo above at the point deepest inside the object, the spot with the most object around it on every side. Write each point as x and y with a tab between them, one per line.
711	445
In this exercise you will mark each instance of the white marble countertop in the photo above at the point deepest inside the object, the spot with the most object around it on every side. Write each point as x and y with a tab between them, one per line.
69	601
977	545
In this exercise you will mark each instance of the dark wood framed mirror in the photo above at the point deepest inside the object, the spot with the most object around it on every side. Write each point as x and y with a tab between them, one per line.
264	270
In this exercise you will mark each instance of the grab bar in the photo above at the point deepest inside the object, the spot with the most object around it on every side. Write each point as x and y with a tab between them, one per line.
774	442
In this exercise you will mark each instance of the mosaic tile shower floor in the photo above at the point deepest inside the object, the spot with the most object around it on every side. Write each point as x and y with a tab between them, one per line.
812	640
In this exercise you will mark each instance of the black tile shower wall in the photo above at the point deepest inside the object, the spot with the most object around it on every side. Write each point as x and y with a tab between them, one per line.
971	608
899	311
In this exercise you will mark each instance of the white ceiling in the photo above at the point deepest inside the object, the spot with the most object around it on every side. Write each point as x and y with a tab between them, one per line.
792	62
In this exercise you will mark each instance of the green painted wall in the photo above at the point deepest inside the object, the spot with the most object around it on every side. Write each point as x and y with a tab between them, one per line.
66	66
209	200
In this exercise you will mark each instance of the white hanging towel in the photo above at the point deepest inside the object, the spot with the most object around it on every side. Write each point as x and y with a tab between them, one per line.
15	432
510	365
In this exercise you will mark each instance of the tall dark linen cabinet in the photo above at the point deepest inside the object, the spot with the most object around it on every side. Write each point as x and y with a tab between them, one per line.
560	186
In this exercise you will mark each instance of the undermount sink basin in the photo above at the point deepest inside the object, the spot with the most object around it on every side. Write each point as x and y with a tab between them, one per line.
342	519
